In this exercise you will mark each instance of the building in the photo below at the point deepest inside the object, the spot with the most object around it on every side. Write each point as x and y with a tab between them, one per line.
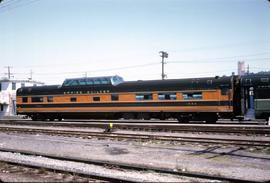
241	68
8	89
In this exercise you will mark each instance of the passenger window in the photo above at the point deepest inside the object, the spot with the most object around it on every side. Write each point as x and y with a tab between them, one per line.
97	82
82	82
73	99
37	99
96	99
74	83
139	97
50	98
193	95
104	81
114	97
167	96
144	96
89	82
24	99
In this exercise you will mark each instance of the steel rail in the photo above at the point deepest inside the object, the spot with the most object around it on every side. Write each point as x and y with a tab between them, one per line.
170	138
93	176
130	167
220	122
154	127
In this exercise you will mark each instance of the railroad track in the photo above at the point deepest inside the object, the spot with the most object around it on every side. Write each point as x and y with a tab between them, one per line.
221	121
93	176
247	130
12	172
121	166
140	137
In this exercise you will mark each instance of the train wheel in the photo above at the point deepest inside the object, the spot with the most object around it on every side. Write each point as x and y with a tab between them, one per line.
211	120
34	118
182	119
162	116
146	117
140	116
128	116
185	120
43	119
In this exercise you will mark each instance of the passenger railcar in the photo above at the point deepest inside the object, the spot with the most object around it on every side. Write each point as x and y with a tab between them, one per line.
255	90
110	97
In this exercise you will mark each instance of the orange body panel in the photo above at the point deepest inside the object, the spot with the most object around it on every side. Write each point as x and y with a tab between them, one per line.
129	109
208	95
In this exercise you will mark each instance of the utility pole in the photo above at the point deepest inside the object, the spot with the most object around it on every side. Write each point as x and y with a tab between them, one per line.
163	55
9	74
31	75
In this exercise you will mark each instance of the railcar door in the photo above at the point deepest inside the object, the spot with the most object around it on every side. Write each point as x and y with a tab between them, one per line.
236	97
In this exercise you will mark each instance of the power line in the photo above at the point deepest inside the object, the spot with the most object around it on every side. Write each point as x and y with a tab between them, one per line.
205	60
9	6
8	3
249	55
228	57
216	61
101	70
218	58
245	43
142	65
267	68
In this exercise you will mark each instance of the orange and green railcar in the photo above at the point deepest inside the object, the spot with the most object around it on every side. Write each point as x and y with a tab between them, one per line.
199	99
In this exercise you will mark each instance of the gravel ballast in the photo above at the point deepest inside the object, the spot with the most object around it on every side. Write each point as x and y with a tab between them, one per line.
88	169
216	160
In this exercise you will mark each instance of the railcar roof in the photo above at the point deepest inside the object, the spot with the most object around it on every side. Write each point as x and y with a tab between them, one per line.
134	86
176	84
93	81
255	80
38	89
213	80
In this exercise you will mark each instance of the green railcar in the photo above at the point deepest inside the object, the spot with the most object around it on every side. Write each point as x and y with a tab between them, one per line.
262	103
256	93
262	108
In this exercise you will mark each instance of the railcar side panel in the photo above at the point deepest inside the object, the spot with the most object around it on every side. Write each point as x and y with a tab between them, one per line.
196	99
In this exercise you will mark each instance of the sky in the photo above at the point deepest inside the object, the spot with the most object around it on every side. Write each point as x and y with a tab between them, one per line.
77	38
